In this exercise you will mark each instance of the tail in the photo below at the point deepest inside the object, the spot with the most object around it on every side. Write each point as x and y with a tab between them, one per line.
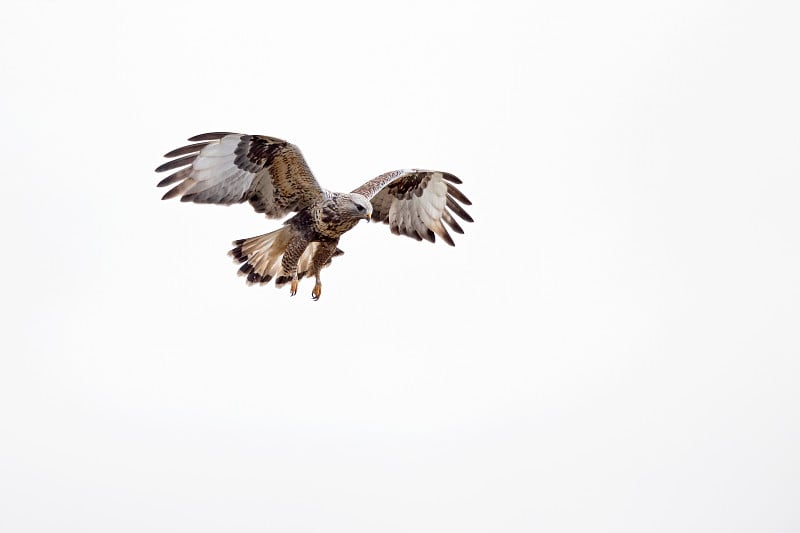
262	257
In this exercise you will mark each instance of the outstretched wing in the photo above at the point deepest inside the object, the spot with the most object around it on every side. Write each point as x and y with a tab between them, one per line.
416	202
228	168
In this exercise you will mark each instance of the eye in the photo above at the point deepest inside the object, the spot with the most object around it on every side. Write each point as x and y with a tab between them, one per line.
360	208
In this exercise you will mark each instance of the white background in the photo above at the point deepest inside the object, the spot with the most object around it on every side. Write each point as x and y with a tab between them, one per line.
612	345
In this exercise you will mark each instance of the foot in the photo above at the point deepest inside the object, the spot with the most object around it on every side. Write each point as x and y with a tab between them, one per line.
315	294
293	290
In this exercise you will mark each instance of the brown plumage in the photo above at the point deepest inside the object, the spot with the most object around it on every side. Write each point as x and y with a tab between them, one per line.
272	175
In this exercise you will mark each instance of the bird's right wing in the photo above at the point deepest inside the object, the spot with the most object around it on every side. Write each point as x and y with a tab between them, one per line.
229	168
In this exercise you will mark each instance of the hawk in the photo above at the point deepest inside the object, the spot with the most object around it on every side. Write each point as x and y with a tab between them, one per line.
272	175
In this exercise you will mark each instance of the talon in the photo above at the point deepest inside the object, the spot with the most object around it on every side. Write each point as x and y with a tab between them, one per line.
315	294
293	290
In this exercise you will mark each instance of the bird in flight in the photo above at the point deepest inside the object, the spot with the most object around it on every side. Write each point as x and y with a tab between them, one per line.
272	175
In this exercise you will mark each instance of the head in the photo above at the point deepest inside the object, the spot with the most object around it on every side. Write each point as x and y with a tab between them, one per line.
359	206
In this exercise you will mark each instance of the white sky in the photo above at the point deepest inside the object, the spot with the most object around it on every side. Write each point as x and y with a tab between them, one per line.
612	345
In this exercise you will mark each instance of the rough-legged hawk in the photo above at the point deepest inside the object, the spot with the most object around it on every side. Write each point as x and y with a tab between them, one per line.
271	174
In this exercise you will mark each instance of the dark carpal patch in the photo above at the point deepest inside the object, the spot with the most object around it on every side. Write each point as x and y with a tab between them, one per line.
254	153
415	183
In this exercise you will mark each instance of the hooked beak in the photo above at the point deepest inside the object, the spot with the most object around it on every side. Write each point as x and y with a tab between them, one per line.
368	216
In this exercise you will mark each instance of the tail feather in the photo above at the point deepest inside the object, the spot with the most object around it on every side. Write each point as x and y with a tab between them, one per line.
261	257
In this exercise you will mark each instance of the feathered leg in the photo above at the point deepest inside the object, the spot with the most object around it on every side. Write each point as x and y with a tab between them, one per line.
325	251
291	256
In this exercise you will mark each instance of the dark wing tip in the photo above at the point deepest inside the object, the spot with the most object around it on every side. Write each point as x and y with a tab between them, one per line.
448	218
458	195
175	163
163	167
451	178
212	136
166	181
190	149
446	237
453	206
172	193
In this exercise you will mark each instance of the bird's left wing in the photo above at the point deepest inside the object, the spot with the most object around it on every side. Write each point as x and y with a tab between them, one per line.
416	202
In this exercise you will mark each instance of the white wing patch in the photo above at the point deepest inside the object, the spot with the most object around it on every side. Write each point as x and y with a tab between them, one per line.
216	177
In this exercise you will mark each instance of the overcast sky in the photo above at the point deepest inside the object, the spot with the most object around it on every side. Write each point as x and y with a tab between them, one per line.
612	346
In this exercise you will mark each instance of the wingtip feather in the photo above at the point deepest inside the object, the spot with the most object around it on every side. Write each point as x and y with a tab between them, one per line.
172	193
211	136
458	195
452	178
190	149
